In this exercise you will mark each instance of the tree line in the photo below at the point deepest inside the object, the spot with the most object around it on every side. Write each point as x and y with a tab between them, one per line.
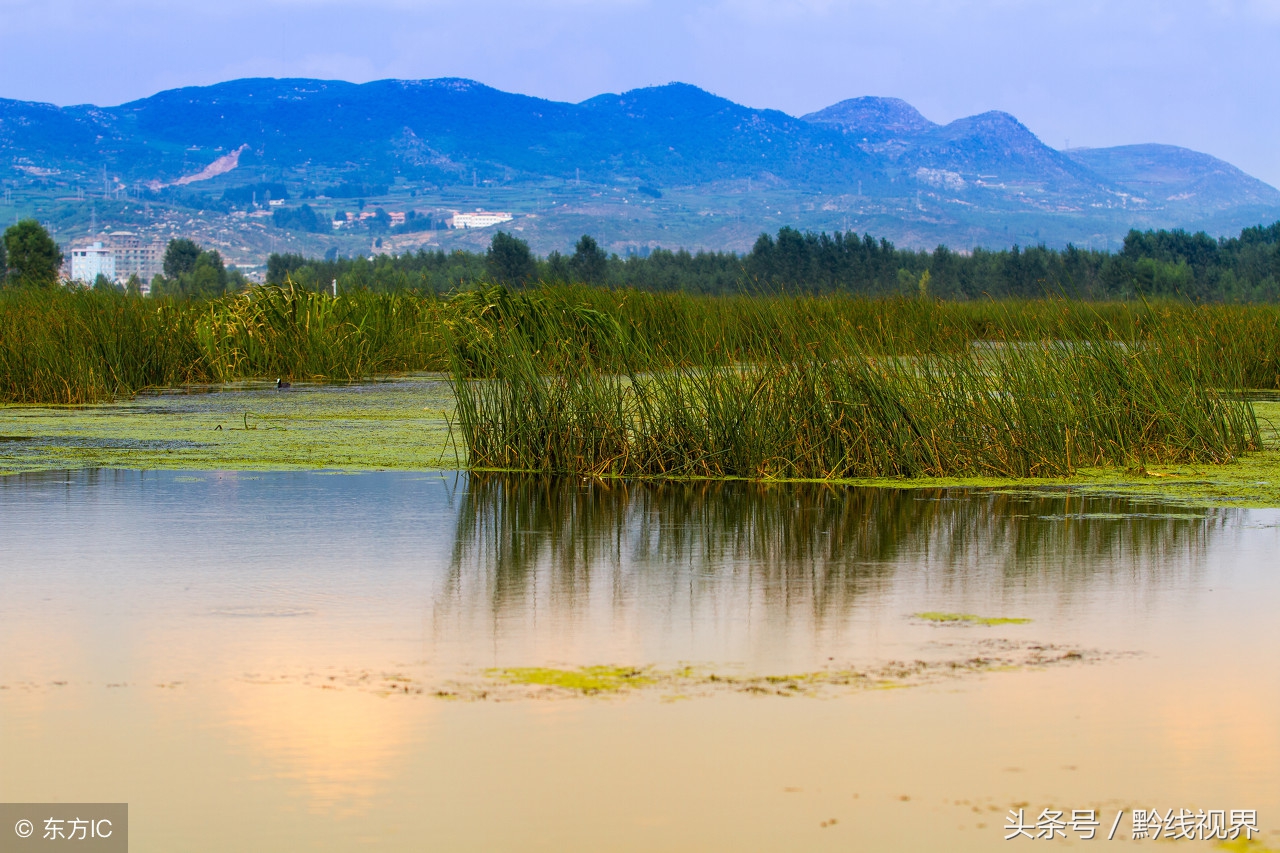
1164	263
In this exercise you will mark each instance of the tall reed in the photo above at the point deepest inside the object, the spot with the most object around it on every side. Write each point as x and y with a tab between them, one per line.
293	332
75	347
59	346
862	403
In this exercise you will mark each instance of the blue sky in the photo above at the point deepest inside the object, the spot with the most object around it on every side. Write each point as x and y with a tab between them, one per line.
1198	74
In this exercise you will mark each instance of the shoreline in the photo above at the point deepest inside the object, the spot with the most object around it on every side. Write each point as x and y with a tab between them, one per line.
404	424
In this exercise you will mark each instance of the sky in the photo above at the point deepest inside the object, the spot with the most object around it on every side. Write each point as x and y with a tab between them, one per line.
1196	73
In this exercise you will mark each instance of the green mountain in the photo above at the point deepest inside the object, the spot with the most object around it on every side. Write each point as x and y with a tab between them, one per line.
669	165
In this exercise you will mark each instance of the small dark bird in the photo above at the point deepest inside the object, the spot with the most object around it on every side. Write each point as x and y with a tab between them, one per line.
281	384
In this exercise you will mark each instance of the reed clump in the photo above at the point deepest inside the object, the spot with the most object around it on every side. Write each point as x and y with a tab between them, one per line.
287	331
852	401
79	347
72	347
639	367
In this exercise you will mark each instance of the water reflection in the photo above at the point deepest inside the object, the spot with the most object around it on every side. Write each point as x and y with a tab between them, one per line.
756	561
168	638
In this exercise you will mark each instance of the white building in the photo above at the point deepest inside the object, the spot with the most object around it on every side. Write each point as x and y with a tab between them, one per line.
135	256
89	262
479	219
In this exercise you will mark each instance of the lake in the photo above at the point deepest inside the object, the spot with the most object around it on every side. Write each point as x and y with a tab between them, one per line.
322	661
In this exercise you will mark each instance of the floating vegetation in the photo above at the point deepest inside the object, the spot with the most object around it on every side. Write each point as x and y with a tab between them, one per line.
693	681
687	682
969	619
1245	845
384	425
586	679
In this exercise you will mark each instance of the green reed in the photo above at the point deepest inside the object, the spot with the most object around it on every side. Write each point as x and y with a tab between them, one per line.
60	346
786	392
286	331
577	378
77	347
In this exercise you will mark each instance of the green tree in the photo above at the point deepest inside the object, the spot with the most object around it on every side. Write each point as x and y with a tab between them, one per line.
104	283
303	219
180	257
134	286
509	260
34	259
589	262
207	279
557	267
4	263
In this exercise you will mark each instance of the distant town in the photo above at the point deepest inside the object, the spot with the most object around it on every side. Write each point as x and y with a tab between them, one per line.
121	256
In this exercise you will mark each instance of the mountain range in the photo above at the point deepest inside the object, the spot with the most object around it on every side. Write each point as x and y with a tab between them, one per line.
863	164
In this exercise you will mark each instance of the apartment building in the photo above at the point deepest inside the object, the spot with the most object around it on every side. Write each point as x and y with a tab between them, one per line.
89	262
136	256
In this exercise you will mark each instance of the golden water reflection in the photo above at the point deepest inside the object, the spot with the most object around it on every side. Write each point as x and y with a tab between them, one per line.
241	658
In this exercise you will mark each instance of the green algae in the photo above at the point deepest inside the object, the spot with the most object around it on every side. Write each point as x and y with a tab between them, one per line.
969	658
401	424
585	679
969	619
687	682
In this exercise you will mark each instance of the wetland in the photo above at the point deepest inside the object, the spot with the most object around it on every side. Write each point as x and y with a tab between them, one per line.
753	588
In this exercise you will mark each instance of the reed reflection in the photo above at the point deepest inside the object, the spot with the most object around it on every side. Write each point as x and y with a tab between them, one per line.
559	568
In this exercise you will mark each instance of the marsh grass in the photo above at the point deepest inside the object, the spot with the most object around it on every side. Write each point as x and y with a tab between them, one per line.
849	401
71	347
65	347
287	331
575	379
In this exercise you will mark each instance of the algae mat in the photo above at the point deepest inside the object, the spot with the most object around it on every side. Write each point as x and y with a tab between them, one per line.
404	424
398	424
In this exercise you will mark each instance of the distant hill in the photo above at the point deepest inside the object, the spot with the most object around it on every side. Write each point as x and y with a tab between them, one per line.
873	119
1164	174
991	150
728	171
675	134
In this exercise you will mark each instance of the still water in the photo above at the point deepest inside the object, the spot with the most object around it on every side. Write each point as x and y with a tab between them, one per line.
304	661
